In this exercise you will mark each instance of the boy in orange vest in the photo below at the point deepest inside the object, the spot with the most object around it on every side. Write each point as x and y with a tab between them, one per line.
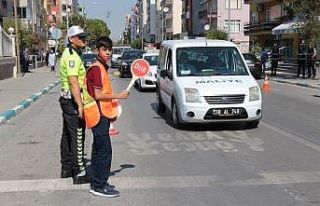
99	87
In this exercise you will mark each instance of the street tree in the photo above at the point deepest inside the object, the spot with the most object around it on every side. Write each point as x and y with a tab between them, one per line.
137	44
307	13
96	28
216	34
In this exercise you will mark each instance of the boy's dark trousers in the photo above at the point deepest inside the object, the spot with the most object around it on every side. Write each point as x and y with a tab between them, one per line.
72	139
101	154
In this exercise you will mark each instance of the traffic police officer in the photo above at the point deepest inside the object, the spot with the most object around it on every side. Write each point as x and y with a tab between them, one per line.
72	74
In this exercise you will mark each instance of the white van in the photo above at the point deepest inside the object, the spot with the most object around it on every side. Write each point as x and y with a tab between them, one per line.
202	81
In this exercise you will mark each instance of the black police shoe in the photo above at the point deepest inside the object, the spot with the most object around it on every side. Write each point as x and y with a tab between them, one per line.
81	179
65	173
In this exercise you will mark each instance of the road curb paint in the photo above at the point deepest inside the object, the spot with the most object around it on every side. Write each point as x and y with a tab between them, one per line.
10	113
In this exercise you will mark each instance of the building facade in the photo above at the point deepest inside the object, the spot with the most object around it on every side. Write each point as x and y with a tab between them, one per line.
266	15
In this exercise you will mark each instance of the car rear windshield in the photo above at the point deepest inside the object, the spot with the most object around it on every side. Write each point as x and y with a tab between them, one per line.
131	54
209	61
153	60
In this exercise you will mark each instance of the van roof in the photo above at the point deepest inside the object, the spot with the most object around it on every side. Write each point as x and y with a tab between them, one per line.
197	43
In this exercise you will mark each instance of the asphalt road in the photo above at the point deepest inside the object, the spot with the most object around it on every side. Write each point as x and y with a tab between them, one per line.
154	164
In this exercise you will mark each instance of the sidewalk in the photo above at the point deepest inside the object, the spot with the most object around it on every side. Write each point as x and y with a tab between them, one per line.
290	78
16	94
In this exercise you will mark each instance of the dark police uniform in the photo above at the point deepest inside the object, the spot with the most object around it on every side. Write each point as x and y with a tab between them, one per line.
73	134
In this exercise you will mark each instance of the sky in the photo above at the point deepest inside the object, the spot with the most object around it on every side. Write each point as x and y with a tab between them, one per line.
111	11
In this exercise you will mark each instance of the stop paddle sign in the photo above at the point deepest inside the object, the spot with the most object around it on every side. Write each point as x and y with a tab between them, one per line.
139	68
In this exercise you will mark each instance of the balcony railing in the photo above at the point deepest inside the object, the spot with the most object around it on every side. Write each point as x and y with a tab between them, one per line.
254	27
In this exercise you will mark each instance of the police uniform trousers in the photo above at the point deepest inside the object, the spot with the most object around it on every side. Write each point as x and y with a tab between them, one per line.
72	139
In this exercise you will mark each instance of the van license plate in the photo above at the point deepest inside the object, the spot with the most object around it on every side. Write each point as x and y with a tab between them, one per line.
226	112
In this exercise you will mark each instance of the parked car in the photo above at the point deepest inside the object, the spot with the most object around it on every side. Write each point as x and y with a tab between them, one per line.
202	81
149	81
117	54
126	60
88	59
254	65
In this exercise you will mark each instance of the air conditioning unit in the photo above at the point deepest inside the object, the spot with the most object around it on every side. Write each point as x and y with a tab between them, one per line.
260	7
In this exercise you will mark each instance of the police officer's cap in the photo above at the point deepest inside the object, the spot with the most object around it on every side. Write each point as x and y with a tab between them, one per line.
76	31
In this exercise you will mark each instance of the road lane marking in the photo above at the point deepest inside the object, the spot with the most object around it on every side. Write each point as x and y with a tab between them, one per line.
301	140
170	182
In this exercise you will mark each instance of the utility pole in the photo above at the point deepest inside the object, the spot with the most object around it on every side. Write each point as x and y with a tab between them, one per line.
17	36
229	21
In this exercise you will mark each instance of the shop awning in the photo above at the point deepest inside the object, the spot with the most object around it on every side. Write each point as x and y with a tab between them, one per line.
287	28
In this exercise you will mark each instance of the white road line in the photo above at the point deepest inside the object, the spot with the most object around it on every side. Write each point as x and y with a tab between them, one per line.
129	183
292	136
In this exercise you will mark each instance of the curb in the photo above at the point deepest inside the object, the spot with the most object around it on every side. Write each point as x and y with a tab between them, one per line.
8	114
302	84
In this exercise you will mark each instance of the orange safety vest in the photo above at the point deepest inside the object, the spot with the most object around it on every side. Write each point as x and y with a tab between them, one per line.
108	108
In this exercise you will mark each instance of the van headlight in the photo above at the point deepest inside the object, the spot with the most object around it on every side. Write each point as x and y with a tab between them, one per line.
254	94
124	64
192	95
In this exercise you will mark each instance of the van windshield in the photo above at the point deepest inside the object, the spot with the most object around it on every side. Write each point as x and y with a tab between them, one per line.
209	61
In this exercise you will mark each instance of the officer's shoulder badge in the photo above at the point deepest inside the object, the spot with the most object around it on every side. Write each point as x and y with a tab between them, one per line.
72	64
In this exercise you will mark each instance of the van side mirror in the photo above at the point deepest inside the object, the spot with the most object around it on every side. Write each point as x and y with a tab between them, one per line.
163	73
119	58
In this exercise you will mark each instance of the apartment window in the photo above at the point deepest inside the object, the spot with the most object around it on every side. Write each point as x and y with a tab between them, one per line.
268	14
235	26
22	12
234	4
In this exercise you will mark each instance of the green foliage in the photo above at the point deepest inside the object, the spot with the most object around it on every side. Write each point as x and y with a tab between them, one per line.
137	43
308	12
216	34
96	28
76	19
25	36
256	49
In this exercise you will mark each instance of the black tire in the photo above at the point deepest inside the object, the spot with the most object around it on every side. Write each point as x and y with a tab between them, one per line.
175	117
161	107
139	86
252	124
121	73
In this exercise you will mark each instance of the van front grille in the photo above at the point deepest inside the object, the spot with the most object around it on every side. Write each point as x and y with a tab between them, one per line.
225	99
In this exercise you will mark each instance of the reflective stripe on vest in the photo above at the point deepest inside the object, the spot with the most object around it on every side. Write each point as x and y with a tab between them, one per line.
108	108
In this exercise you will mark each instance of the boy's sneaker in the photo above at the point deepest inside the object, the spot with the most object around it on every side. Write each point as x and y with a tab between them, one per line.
105	192
110	187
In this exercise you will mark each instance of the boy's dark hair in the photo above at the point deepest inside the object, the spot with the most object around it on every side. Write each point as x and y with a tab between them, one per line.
104	41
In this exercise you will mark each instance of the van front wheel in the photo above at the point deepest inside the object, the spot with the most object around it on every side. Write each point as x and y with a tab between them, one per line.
176	122
161	107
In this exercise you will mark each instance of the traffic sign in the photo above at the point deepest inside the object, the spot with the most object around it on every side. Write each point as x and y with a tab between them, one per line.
55	33
139	68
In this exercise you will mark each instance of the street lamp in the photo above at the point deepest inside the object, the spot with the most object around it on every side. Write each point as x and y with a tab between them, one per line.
164	11
229	21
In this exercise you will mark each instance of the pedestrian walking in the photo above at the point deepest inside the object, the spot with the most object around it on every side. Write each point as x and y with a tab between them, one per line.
25	60
52	60
275	57
312	54
99	116
72	74
302	57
